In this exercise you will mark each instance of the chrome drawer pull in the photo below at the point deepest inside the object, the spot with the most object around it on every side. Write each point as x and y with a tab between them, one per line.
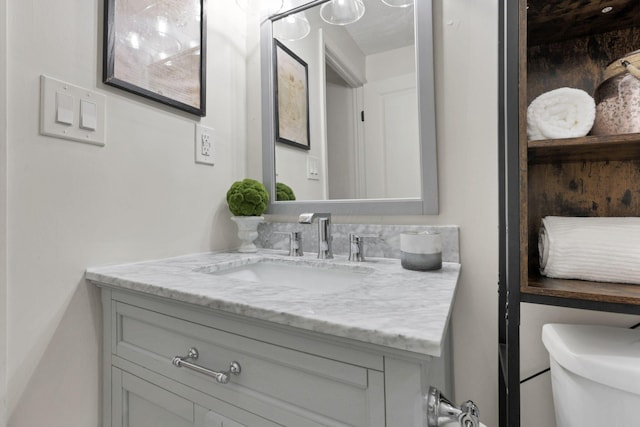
221	377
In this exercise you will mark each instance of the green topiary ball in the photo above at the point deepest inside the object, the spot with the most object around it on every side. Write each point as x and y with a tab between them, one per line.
247	198
284	192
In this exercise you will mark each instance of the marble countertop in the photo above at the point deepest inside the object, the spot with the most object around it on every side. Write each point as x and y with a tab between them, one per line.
389	306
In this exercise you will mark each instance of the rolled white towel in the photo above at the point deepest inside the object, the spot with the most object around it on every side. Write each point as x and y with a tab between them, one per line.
560	113
595	249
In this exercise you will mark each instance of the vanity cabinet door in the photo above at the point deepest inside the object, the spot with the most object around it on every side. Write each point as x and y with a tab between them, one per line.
138	402
212	419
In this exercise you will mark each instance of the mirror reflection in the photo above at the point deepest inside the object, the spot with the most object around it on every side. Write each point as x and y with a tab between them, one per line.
361	101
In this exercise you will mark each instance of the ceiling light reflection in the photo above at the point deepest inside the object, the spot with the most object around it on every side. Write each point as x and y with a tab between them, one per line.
134	40
293	27
162	24
398	3
342	12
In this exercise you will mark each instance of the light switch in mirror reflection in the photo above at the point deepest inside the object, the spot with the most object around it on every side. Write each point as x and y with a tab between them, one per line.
371	119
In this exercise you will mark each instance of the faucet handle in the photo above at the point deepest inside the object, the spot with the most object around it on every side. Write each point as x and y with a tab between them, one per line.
324	232
307	218
355	236
295	242
356	246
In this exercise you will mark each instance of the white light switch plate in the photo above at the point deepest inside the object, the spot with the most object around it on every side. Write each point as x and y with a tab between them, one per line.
50	124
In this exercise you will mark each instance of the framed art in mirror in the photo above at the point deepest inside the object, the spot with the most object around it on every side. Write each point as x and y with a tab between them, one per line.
291	98
156	49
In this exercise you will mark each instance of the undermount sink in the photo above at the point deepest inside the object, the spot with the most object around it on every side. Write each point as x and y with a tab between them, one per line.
318	278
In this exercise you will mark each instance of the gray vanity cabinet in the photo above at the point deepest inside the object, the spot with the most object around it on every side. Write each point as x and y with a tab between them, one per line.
288	377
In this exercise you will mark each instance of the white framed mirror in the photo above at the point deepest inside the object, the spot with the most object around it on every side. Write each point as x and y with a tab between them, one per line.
357	103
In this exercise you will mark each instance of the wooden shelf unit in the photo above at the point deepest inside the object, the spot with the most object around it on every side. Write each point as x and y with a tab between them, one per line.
587	148
549	44
615	293
587	176
564	169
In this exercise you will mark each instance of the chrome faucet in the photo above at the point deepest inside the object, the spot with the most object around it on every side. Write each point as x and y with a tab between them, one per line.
324	232
356	246
295	242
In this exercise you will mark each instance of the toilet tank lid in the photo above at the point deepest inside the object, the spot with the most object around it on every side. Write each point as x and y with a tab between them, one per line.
604	354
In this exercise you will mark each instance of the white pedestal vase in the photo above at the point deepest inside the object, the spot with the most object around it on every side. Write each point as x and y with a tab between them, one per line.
247	231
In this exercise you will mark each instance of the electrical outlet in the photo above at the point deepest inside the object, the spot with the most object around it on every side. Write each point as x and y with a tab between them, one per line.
204	145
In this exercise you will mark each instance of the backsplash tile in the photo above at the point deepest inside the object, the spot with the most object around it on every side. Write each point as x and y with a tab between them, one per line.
387	245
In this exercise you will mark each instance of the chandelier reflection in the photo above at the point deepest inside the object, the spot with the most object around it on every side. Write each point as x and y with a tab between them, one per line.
342	12
293	27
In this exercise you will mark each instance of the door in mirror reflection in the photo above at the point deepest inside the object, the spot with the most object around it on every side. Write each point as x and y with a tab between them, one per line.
363	107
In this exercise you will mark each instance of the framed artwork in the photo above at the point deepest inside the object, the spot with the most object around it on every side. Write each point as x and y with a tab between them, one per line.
157	49
291	98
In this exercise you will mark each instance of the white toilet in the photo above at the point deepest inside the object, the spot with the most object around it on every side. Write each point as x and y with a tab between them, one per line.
595	374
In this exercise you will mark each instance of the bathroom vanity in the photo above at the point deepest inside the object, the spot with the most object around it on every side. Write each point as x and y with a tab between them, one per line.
332	343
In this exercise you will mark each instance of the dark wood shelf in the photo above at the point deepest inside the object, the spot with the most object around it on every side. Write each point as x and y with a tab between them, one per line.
599	148
599	292
553	21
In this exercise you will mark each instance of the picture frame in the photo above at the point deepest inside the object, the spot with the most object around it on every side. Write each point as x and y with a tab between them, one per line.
291	97
157	49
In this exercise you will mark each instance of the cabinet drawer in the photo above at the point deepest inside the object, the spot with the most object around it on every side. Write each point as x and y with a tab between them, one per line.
284	385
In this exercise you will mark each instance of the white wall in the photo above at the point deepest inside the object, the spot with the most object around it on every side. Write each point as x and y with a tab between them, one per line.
344	50
3	210
466	33
72	205
391	63
342	134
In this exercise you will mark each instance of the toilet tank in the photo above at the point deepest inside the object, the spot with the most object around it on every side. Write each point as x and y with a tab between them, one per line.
595	374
